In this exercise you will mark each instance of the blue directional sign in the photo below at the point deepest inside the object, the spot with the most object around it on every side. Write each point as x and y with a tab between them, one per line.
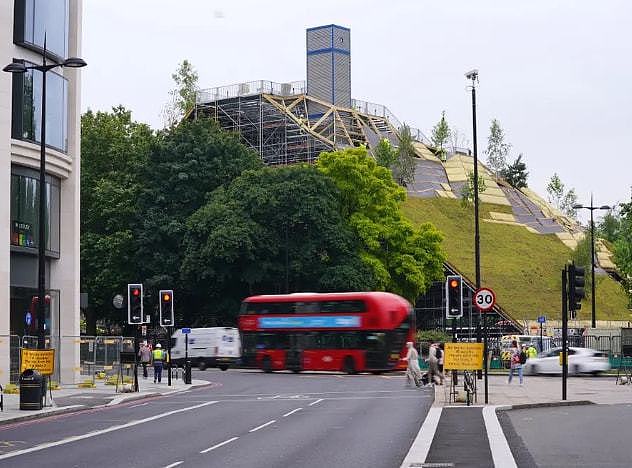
186	331
541	319
28	318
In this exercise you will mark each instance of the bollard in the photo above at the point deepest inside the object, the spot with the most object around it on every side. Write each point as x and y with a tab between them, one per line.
187	372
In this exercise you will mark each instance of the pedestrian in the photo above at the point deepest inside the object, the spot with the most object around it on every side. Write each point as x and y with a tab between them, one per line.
144	353
433	365
159	356
440	355
412	371
531	352
516	365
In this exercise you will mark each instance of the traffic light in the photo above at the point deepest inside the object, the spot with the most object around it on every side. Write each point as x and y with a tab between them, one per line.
134	304
575	287
453	296
166	308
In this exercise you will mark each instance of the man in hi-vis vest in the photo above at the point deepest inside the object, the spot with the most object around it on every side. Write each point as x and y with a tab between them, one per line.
158	356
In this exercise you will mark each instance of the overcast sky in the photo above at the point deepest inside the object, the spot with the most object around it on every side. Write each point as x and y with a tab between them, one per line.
556	74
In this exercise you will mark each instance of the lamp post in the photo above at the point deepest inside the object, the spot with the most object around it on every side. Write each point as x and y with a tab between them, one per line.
473	75
20	67
593	320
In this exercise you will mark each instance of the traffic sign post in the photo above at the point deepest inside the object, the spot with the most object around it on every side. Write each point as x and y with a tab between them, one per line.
485	300
541	321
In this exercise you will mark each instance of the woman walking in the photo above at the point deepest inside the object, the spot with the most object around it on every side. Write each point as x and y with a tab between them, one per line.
413	371
515	361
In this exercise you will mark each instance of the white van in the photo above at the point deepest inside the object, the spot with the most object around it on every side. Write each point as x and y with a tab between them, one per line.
207	347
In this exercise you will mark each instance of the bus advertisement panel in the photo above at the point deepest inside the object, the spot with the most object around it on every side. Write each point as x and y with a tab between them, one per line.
349	332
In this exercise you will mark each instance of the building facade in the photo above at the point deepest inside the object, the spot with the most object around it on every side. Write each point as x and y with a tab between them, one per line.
23	26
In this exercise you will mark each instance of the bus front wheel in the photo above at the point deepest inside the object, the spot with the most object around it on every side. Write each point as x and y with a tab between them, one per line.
349	366
266	365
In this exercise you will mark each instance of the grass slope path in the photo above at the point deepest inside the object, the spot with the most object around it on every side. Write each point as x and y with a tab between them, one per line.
522	268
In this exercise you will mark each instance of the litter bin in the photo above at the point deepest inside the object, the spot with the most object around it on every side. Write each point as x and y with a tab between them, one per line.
187	372
32	390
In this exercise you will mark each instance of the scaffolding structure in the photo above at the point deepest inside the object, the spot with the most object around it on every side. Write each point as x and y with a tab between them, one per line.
273	119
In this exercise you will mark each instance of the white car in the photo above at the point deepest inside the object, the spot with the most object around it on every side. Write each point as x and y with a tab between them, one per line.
580	361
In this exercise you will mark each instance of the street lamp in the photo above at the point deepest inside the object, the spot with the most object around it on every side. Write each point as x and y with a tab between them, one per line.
473	75
19	67
592	254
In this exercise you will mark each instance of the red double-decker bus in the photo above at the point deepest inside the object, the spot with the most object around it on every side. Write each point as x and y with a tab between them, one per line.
349	332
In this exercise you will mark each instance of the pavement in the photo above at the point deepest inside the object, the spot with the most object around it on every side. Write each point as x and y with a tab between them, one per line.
70	398
542	391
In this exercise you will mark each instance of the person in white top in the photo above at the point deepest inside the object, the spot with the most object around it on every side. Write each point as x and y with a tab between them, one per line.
413	371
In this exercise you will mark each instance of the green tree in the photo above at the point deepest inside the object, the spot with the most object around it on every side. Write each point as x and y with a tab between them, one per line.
186	163
404	166
385	155
272	230
623	247
561	198
182	98
467	191
609	227
441	134
497	150
516	173
403	259
114	150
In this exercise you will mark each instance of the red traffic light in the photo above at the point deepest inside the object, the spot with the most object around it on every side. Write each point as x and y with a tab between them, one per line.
454	283
166	297
136	292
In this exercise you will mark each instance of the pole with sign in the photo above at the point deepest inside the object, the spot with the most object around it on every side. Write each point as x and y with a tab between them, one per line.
541	321
484	300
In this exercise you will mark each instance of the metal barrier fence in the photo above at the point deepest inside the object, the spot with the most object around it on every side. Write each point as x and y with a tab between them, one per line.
95	356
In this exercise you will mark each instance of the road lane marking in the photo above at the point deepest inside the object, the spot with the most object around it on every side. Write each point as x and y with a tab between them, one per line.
141	404
317	401
292	412
91	434
221	444
175	464
262	426
421	446
501	453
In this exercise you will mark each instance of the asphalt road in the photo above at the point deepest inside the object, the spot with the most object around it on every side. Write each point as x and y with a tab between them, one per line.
247	419
595	436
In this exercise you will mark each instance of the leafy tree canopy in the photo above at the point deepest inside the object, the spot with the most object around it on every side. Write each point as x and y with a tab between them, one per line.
182	97
497	149
186	163
404	166
402	259
272	230
114	150
562	199
385	155
516	173
441	133
623	246
467	191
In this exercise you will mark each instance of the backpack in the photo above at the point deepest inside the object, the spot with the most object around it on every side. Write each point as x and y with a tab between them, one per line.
439	353
523	357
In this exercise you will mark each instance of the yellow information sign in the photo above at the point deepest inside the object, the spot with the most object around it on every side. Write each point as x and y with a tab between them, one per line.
42	360
463	356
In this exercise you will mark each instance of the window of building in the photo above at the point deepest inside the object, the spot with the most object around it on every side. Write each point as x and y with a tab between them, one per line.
25	209
27	108
33	18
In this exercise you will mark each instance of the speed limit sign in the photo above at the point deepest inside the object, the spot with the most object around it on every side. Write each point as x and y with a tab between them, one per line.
484	299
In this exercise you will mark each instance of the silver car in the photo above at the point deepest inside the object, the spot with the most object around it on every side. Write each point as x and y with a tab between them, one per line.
580	361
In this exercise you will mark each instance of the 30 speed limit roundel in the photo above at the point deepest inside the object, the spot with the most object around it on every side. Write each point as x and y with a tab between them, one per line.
484	299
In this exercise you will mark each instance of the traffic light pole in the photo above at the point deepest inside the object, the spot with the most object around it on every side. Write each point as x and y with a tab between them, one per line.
136	348
564	331
170	331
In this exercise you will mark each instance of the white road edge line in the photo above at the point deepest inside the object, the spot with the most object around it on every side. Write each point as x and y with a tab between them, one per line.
89	435
291	412
501	453
175	464
221	444
421	446
262	426
141	404
314	402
